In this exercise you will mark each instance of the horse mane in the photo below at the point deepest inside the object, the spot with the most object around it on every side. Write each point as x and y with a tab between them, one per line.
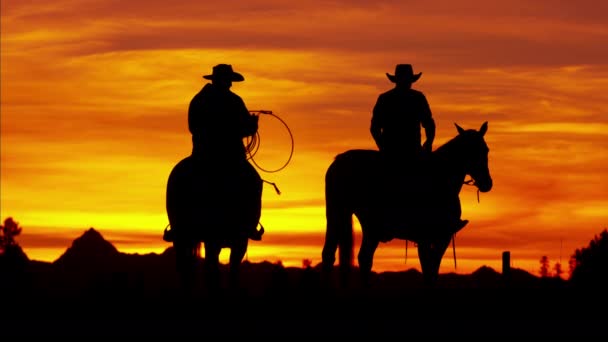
446	147
449	145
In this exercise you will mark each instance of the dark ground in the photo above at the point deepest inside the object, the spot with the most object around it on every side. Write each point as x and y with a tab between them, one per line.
289	309
438	313
94	291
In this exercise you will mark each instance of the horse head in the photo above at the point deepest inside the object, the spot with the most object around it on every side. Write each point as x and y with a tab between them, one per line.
476	156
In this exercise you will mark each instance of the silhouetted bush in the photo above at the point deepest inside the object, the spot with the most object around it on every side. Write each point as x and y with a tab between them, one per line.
8	231
591	263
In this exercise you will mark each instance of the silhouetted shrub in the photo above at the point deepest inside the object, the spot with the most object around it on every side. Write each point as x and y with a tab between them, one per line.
8	231
591	263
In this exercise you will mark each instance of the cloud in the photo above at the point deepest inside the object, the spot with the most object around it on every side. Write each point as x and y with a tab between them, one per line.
94	99
471	34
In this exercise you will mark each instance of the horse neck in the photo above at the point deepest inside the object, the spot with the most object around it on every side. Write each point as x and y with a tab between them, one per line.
449	164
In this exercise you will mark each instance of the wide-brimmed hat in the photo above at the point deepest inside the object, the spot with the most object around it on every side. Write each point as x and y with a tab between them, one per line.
224	71
404	72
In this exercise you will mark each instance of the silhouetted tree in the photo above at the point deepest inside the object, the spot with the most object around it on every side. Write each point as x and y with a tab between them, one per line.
557	270
8	232
13	261
544	266
571	266
591	263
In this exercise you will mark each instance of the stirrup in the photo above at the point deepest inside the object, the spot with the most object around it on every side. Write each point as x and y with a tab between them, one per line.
168	235
257	235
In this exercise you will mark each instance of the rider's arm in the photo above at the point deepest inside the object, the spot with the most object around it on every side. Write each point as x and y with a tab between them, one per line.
193	116
427	121
248	121
376	124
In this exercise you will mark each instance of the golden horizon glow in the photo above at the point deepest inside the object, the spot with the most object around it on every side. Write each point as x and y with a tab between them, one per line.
94	97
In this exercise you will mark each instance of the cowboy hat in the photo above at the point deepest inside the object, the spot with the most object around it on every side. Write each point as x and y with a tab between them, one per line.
224	71
404	72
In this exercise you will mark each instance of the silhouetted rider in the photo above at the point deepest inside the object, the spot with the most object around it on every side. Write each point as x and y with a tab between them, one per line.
219	121
218	118
398	118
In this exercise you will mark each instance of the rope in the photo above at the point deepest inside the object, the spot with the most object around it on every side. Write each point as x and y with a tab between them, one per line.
254	144
273	184
454	248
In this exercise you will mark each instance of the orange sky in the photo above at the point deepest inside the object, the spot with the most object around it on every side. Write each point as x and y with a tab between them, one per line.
94	98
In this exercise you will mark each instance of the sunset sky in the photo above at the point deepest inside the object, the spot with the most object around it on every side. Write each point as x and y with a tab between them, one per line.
94	98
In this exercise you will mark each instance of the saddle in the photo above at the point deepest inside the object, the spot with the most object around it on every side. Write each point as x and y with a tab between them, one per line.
406	181
208	202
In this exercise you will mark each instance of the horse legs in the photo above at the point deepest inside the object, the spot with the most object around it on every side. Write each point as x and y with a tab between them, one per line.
430	255
187	254
212	266
237	253
328	255
328	258
426	256
338	236
366	257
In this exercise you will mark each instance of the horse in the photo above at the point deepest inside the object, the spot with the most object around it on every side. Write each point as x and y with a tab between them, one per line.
423	209
217	207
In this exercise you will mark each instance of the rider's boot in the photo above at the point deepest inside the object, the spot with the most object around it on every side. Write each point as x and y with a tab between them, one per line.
458	225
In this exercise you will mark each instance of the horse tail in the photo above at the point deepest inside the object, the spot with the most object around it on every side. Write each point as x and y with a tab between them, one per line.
339	216
179	212
174	195
179	198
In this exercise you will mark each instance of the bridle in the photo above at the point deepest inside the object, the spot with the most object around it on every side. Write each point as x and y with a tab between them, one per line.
471	182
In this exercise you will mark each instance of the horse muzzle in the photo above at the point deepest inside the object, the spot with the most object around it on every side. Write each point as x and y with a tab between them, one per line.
484	186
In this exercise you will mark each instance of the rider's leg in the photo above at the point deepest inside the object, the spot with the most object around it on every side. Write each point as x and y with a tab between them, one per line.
456	223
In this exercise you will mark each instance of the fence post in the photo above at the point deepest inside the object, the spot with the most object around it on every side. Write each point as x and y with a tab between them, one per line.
506	267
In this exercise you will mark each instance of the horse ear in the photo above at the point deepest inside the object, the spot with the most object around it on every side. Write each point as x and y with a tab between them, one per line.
484	128
460	129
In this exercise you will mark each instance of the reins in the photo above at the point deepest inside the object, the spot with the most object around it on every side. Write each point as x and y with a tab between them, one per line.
470	182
